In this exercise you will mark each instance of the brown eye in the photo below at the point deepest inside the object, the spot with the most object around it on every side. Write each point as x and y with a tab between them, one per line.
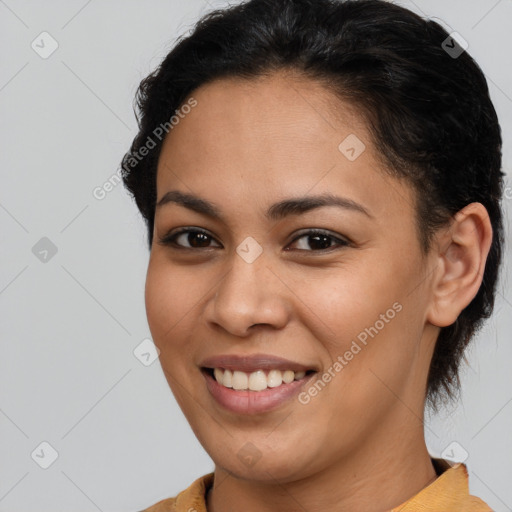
188	239
318	240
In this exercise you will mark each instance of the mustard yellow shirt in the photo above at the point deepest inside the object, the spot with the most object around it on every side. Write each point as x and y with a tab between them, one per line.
448	493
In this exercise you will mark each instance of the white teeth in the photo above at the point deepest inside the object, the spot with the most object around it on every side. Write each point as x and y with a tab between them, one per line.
217	373
227	379
274	378
257	380
288	376
240	380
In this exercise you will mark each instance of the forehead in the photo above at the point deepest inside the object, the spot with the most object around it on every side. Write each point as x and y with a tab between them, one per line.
282	106
255	141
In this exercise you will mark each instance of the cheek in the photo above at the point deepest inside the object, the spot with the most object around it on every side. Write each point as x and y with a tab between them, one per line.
170	296
371	325
347	303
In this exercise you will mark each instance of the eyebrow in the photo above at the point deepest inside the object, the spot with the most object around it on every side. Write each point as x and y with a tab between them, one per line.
279	210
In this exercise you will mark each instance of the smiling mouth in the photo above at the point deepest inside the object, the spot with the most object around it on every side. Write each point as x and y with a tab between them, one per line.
258	380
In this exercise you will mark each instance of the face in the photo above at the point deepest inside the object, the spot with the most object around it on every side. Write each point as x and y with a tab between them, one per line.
260	287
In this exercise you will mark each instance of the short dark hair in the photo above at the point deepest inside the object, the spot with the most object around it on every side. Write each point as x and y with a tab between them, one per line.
428	110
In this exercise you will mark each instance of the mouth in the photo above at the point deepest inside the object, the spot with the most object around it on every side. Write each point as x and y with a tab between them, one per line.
257	381
249	389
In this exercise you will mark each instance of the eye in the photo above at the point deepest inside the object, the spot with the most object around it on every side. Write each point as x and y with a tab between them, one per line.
319	240
195	238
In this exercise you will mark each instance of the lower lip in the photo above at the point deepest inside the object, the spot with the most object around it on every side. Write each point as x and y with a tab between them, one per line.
253	402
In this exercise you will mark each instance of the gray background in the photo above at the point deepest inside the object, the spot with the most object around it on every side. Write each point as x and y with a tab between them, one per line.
69	326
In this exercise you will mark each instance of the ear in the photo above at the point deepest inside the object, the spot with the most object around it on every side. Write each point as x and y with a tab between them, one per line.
460	262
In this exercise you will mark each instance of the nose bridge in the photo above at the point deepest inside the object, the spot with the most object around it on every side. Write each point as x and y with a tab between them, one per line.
249	293
241	289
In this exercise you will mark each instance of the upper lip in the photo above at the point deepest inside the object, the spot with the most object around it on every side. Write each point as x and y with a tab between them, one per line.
251	363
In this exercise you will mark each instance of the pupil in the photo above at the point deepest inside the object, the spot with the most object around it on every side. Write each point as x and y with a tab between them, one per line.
325	241
192	236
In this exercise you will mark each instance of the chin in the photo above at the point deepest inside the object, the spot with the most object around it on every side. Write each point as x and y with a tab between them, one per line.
283	464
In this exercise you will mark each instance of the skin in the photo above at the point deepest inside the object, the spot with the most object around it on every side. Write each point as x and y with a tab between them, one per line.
359	443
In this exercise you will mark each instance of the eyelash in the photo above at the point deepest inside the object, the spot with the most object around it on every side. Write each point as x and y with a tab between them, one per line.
170	239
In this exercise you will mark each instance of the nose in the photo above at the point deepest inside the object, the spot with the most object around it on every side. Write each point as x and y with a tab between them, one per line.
249	294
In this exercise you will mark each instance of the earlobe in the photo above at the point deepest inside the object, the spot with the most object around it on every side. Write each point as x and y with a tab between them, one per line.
462	253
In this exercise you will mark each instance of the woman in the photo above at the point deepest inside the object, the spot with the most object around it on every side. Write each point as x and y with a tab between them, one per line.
321	183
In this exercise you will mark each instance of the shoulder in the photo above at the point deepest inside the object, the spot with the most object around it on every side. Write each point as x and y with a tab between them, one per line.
475	504
449	491
188	500
458	484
